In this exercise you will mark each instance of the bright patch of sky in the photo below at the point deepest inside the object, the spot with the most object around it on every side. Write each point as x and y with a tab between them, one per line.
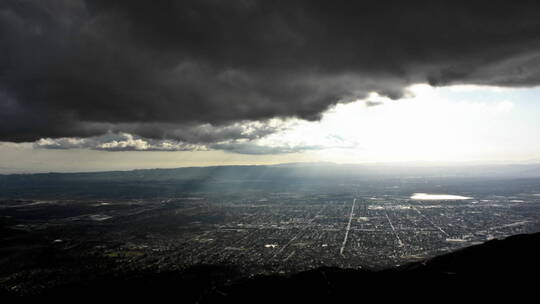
458	123
448	124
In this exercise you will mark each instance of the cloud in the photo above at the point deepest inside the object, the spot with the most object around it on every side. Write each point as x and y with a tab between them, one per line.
128	142
195	71
260	149
373	103
116	142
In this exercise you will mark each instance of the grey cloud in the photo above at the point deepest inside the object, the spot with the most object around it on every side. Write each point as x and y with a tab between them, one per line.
162	137
128	142
193	133
191	71
373	103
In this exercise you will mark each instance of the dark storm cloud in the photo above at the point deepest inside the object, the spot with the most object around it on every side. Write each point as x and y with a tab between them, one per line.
162	69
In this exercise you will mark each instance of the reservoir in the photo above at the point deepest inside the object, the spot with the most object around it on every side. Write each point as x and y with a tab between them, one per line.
439	197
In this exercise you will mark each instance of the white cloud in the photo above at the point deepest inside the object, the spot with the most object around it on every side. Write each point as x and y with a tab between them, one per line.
116	142
431	124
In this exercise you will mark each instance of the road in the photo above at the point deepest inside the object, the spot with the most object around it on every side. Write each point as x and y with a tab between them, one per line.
431	222
347	229
400	243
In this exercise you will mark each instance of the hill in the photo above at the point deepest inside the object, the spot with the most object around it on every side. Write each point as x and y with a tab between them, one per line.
498	267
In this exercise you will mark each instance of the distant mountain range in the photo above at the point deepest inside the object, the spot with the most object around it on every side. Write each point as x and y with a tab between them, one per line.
160	182
300	170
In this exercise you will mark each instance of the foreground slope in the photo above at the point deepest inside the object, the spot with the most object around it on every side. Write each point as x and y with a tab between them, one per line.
509	266
497	267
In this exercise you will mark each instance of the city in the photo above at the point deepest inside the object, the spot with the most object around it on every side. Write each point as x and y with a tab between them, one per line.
266	232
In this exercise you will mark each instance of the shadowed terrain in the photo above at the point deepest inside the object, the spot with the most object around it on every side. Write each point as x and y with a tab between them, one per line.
505	264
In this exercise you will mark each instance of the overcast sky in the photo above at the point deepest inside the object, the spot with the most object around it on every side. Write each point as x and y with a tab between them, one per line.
99	85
